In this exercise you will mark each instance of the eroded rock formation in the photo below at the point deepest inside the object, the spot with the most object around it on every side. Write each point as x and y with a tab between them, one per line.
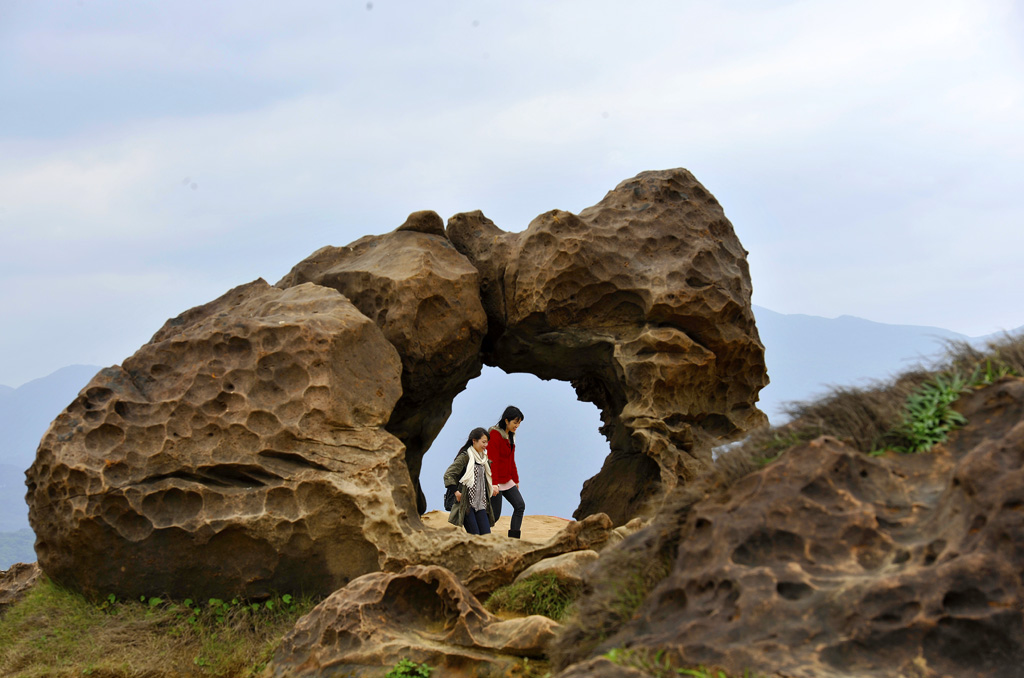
16	581
241	450
642	302
830	563
424	614
425	297
264	441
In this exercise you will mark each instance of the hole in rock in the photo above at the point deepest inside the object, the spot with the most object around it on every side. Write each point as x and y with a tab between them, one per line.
558	446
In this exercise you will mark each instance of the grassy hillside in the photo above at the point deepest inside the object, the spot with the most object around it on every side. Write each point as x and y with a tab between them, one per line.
56	632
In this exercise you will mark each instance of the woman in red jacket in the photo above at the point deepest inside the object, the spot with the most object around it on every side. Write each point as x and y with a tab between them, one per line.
501	449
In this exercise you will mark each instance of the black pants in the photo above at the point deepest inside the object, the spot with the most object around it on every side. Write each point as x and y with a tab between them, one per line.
518	507
476	522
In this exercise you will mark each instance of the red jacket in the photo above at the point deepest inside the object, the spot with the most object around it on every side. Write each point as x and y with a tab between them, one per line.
502	456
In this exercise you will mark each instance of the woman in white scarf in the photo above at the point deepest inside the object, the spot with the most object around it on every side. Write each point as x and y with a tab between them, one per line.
471	470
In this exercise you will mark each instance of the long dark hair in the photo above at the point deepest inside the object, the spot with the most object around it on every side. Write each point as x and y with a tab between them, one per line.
475	434
511	413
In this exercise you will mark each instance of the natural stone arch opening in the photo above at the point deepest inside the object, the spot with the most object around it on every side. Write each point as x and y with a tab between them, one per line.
559	447
641	302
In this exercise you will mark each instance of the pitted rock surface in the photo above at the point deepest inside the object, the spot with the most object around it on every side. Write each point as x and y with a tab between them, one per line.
241	451
422	613
642	302
485	563
568	567
831	563
16	581
425	297
272	439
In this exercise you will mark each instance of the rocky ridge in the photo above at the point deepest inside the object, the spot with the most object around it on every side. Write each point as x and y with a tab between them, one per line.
830	563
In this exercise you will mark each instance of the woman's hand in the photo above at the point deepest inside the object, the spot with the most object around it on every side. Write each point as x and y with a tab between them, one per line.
494	491
458	496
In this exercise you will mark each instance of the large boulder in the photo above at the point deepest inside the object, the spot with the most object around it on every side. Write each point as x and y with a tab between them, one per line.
241	451
642	302
425	297
830	563
423	614
272	439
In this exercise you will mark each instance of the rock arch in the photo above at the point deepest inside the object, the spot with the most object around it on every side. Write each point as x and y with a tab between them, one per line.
642	302
272	438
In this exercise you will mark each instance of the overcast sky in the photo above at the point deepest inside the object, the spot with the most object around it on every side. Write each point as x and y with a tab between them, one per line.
153	155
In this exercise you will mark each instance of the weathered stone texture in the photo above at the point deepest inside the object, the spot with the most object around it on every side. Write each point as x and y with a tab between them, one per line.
241	451
642	302
425	297
831	563
422	613
272	439
16	581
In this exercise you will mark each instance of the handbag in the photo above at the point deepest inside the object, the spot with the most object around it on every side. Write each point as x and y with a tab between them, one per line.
449	497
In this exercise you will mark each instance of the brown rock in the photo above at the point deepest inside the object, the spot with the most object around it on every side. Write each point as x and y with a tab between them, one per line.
241	451
832	563
488	562
16	581
643	303
256	443
425	297
422	613
568	567
602	667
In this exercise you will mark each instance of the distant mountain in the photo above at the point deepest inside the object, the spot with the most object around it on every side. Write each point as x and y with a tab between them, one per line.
25	414
17	547
808	354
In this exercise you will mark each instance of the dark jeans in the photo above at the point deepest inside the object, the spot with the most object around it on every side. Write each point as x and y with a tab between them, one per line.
518	507
476	522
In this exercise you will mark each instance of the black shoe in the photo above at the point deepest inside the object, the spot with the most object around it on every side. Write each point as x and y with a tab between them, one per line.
514	534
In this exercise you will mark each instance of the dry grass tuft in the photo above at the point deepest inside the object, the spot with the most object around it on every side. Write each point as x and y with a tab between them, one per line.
871	418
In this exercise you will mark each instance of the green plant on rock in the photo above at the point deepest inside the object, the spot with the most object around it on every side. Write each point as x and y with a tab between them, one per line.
928	417
543	594
407	668
990	372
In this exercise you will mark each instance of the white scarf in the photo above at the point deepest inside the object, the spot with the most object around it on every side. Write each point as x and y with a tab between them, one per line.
469	477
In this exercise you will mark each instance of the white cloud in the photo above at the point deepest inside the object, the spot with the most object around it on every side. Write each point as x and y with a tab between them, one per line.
860	148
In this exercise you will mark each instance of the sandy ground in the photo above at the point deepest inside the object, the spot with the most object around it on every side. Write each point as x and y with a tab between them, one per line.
535	528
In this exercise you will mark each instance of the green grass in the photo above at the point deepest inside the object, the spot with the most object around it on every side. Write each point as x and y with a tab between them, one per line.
56	632
928	415
543	594
662	664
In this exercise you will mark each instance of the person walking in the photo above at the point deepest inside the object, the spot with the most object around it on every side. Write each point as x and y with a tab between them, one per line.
501	449
471	473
